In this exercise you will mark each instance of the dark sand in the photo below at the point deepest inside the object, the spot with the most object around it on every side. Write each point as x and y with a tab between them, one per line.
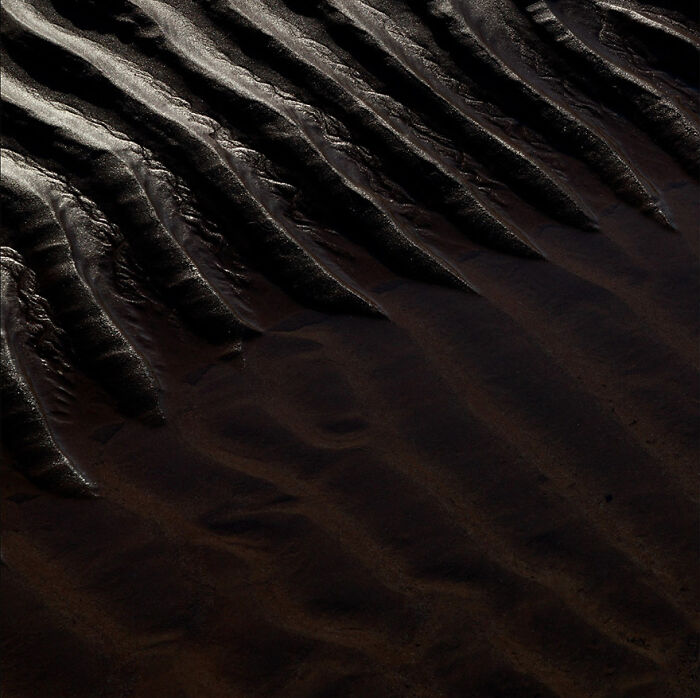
357	356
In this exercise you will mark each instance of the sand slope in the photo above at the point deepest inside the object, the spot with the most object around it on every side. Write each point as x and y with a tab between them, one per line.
350	348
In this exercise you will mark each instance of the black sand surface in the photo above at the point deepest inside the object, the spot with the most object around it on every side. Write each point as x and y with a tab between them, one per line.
350	348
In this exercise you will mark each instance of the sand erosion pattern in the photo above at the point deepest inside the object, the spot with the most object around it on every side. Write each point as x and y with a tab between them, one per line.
447	252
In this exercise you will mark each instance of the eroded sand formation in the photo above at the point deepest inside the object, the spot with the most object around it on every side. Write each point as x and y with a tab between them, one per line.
350	347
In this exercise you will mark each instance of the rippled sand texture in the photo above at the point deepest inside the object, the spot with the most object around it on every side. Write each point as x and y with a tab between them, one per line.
350	348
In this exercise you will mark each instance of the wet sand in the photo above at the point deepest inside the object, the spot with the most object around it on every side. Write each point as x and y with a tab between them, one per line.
350	349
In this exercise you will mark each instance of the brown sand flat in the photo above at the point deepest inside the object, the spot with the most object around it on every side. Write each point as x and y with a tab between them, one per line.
350	348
